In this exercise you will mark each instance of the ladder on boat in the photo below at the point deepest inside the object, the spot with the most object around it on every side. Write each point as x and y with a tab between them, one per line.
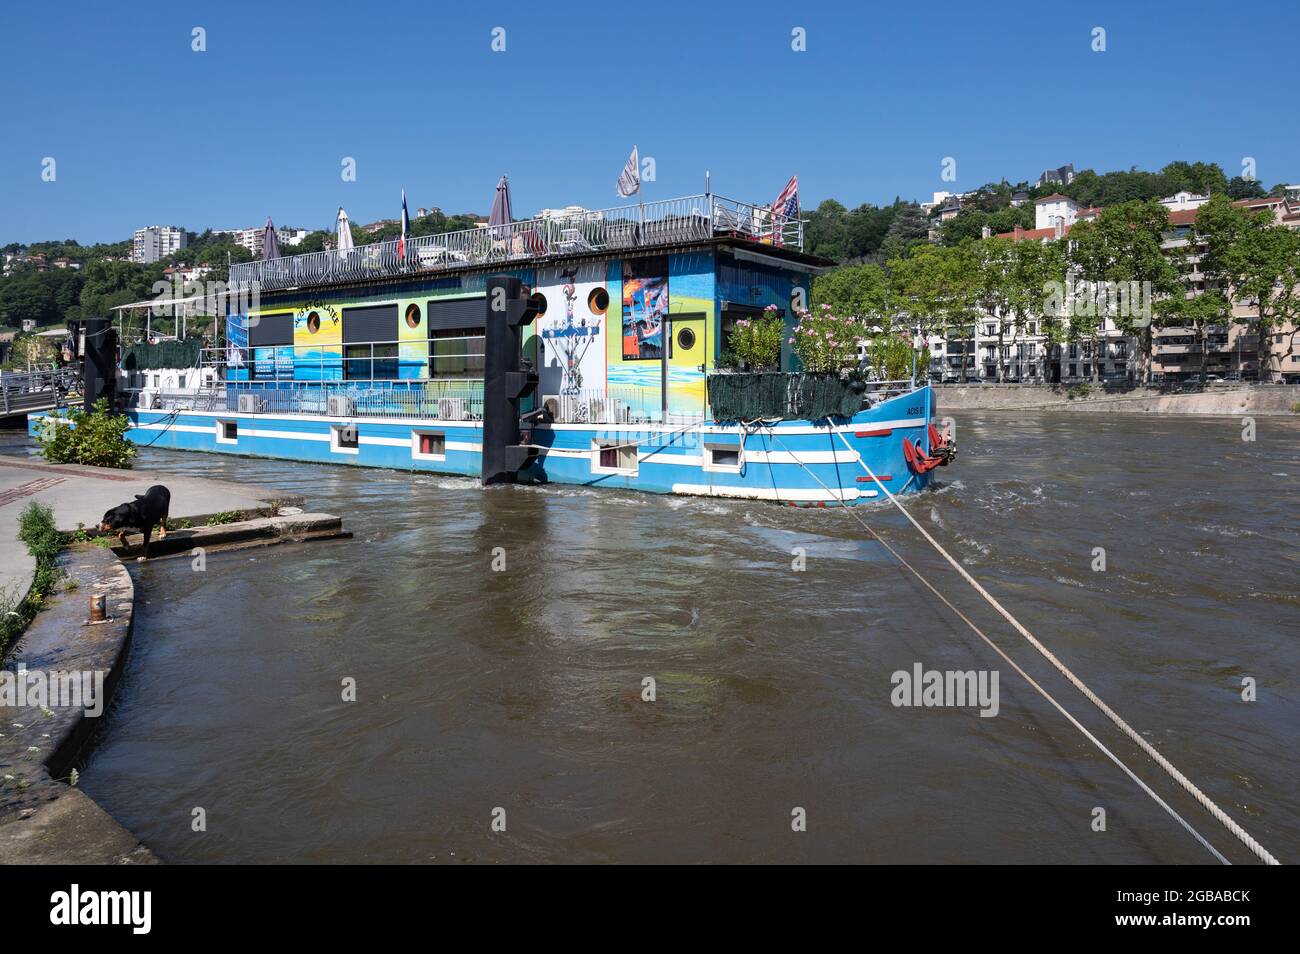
208	396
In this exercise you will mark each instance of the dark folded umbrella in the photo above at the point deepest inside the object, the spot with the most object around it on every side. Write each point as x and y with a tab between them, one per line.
270	245
500	214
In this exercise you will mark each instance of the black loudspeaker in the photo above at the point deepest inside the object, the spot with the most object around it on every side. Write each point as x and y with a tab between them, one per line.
99	369
506	380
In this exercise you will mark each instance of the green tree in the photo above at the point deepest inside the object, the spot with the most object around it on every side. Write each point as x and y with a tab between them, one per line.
934	291
1118	257
827	231
993	273
1210	309
117	283
909	228
1239	188
858	290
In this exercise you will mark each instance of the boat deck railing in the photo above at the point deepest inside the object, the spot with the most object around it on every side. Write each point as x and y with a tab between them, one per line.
654	224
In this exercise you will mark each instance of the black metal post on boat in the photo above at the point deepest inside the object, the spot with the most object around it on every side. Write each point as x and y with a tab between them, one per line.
510	306
99	368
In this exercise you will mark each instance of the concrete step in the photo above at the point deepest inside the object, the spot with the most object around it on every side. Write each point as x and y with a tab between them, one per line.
260	531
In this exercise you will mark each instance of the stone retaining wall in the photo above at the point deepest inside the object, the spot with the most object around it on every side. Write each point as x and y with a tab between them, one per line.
1262	401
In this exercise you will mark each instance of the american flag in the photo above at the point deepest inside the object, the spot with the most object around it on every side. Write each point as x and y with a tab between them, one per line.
785	207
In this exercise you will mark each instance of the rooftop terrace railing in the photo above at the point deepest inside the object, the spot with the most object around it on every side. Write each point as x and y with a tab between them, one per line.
654	224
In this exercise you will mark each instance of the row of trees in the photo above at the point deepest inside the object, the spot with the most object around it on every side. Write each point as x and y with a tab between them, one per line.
877	234
1111	268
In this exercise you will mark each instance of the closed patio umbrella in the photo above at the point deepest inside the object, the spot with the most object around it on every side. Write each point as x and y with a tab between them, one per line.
270	245
500	214
344	233
345	242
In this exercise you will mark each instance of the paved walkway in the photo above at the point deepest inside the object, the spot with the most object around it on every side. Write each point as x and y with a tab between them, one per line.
82	494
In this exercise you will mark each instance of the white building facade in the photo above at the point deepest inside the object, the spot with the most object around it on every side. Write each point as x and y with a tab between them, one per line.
156	242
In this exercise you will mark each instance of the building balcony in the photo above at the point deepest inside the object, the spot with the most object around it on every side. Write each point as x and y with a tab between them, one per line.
654	225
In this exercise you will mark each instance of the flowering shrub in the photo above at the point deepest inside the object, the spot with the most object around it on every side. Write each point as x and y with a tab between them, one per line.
757	341
827	344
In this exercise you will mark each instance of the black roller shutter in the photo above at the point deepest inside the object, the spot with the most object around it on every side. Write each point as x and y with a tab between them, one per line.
457	313
270	330
374	323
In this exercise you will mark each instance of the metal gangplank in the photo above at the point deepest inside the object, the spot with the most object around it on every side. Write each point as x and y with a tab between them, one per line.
23	392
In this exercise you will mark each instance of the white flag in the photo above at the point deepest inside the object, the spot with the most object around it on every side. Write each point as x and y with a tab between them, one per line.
629	180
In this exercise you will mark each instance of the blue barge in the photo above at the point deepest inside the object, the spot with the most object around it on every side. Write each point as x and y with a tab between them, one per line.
376	356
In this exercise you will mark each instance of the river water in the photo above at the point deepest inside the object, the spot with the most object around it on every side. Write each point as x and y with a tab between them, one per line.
518	694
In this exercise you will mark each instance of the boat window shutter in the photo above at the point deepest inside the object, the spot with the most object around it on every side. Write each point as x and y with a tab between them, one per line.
372	323
270	330
457	313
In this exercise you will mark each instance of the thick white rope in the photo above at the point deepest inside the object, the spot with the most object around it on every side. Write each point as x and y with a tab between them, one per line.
1203	799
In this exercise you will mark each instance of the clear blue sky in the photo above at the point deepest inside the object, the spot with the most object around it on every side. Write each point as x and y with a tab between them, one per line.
146	131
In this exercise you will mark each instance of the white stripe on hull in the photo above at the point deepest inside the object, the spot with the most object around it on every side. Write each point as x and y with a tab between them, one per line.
793	495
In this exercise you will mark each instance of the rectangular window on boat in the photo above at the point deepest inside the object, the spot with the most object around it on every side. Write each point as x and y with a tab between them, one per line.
456	353
722	457
370	362
428	445
345	439
227	432
613	457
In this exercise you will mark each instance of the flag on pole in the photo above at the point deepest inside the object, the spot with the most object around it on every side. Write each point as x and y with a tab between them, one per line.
406	229
629	180
785	208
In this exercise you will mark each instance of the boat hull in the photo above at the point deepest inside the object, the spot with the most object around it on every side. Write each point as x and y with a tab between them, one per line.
805	463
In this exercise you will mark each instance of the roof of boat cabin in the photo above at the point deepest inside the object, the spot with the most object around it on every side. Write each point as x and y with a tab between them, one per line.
784	256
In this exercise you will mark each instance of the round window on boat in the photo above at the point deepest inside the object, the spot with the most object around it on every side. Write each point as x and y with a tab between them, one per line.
539	302
598	301
313	322
686	339
412	315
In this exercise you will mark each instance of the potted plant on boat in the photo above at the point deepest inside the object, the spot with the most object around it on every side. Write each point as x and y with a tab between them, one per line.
755	343
830	382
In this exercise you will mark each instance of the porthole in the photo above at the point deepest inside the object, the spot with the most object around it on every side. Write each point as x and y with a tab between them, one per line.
539	302
413	315
686	339
598	301
313	322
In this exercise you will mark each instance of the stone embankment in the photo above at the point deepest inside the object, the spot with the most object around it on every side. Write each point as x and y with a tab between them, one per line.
1262	401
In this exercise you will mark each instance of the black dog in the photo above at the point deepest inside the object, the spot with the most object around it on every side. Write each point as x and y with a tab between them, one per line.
143	513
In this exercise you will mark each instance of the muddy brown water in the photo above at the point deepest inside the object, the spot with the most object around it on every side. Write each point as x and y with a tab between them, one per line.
480	691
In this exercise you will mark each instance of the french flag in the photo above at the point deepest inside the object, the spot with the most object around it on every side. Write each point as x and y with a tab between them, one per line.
406	229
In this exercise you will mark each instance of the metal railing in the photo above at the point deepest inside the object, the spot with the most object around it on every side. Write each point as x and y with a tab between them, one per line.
661	223
25	391
446	401
615	405
383	361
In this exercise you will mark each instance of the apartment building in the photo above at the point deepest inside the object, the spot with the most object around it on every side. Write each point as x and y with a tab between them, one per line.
1026	355
156	242
1229	351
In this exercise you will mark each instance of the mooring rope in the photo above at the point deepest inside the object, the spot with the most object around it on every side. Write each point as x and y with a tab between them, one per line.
1204	800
